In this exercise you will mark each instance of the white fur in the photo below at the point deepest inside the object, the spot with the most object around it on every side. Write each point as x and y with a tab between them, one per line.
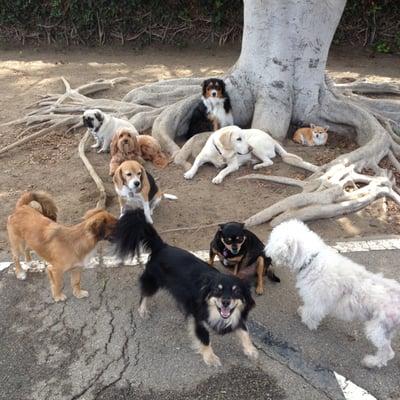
331	284
108	127
264	146
215	107
231	157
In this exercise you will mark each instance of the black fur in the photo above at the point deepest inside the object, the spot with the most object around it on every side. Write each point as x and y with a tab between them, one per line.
190	280
250	249
199	121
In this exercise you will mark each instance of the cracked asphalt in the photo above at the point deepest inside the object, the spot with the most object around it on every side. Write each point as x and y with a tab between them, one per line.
99	348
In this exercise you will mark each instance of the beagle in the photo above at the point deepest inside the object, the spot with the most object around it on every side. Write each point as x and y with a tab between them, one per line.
136	188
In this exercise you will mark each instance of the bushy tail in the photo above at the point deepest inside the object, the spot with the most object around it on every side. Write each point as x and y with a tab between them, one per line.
269	270
48	207
133	231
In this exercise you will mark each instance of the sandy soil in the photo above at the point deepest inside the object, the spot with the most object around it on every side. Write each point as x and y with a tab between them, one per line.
52	163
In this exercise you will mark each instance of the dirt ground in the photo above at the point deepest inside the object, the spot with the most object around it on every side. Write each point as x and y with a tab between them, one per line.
52	163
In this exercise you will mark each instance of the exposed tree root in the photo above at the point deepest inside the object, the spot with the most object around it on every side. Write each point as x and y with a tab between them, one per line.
340	187
101	202
165	107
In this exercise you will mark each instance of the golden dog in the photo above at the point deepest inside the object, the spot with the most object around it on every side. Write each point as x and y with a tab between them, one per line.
65	248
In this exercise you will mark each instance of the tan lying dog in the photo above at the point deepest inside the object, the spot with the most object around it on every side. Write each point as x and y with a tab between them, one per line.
64	247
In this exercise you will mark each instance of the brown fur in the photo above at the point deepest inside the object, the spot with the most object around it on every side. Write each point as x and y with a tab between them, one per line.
128	146
225	139
306	136
150	150
40	201
124	146
65	248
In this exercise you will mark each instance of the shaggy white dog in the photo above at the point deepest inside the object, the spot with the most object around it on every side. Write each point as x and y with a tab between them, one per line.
330	283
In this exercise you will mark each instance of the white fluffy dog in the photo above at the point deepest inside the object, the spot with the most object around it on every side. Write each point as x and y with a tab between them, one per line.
331	284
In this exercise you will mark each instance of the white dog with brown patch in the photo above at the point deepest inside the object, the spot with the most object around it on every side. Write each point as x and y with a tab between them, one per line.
228	146
331	284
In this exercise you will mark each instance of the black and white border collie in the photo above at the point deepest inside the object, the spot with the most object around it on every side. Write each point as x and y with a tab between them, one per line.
214	111
207	297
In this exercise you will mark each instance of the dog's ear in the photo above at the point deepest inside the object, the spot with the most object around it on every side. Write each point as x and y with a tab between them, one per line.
136	145
312	126
223	87
144	180
114	144
91	212
326	129
99	116
248	298
205	289
220	227
226	140
204	86
118	178
98	228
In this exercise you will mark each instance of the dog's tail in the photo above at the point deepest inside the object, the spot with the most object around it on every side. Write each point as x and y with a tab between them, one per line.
132	232
269	271
292	159
46	206
169	196
161	160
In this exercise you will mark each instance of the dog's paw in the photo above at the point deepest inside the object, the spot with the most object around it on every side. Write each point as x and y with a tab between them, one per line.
371	361
259	290
80	294
144	312
95	146
217	180
211	359
21	275
188	175
251	352
60	297
300	311
310	323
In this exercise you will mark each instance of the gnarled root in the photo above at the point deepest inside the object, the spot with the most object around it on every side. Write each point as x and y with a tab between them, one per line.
340	187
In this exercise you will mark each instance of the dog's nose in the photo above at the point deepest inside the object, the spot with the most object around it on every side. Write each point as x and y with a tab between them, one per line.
226	302
137	183
214	94
125	141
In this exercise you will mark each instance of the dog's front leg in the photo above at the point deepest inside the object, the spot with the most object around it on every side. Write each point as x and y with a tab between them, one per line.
76	284
56	282
147	212
212	256
248	347
201	343
233	165
106	145
311	316
198	162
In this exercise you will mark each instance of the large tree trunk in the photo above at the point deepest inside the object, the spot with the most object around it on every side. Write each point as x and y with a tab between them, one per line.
278	79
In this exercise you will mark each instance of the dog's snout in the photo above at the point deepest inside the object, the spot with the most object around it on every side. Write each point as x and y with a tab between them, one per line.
125	141
137	183
226	302
214	93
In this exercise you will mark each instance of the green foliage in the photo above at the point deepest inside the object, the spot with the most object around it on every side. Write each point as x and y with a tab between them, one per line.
366	22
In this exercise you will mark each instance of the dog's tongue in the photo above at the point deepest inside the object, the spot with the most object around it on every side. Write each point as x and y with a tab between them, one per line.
225	312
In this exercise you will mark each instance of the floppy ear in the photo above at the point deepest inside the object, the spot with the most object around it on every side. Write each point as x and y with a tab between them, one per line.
114	144
136	146
312	126
204	86
99	116
248	298
144	181
223	87
98	228
226	140
118	179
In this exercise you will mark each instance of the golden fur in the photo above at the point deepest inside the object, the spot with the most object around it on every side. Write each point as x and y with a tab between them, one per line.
128	146
312	136
64	247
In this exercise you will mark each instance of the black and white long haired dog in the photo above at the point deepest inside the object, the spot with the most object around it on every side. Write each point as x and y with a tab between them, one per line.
214	111
207	297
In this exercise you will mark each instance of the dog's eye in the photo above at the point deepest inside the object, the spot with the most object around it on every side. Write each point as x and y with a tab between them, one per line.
139	173
239	239
228	241
236	290
128	174
239	139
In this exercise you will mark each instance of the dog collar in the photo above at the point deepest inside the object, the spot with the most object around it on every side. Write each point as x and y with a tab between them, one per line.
216	147
308	262
243	154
